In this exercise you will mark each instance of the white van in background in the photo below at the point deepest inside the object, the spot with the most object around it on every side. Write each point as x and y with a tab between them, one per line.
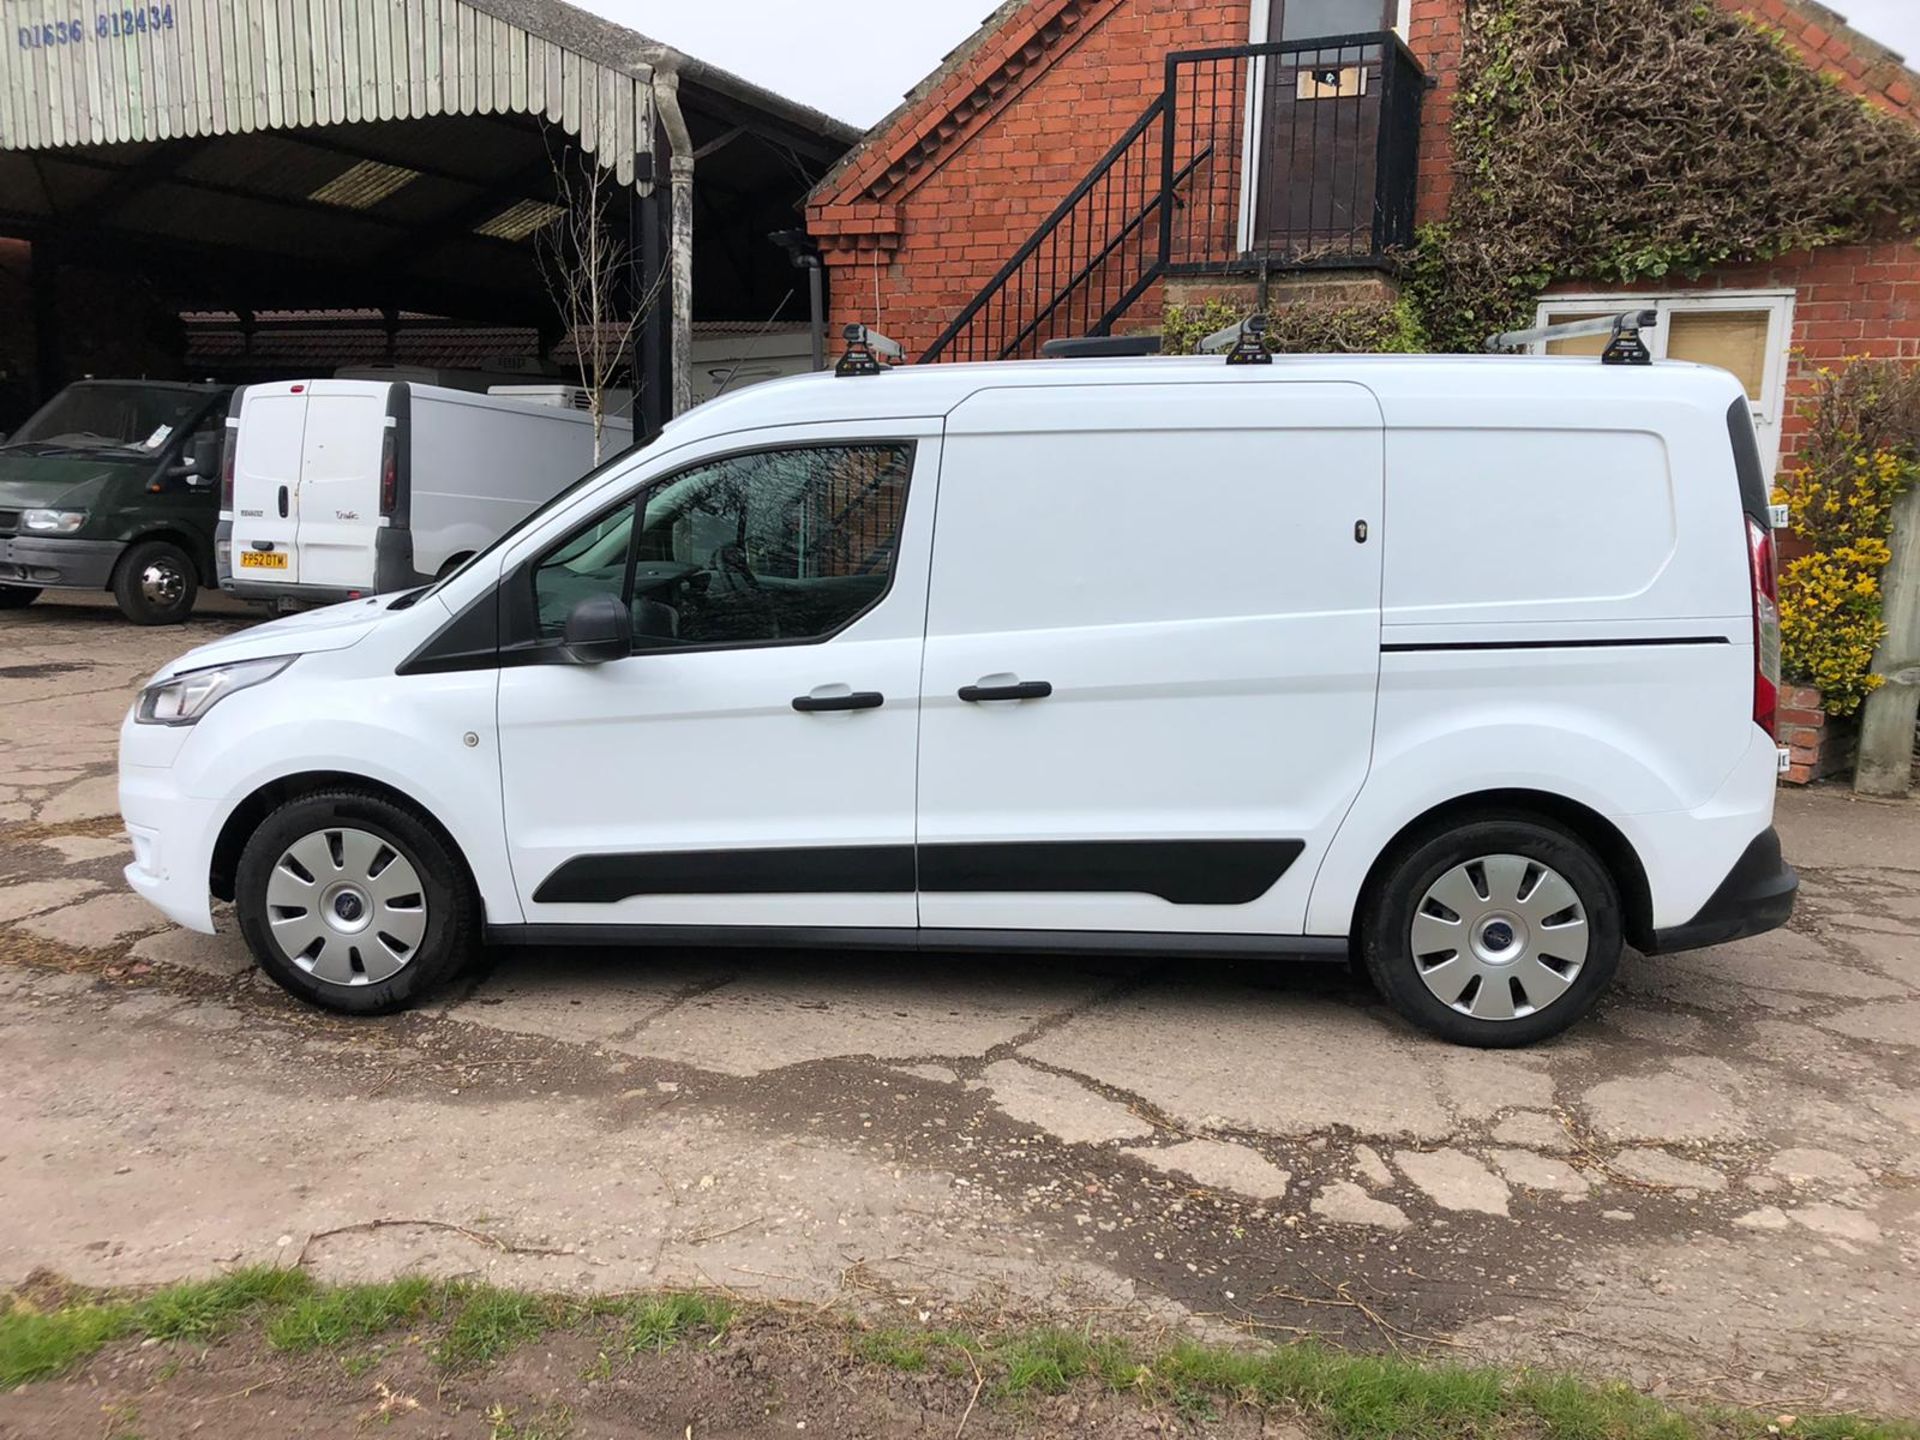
333	489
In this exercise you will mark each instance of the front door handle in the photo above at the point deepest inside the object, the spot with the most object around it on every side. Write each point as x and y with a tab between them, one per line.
858	700
1025	690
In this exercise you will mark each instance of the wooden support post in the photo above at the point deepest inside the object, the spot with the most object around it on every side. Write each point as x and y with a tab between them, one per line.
1887	724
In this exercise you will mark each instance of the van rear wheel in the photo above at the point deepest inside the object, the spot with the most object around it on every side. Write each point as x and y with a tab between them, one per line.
17	597
353	903
155	583
1495	933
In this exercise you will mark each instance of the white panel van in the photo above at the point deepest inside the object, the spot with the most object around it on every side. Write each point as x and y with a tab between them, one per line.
333	489
1463	668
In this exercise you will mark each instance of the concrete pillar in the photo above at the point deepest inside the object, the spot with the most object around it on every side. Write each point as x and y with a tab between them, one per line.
1886	725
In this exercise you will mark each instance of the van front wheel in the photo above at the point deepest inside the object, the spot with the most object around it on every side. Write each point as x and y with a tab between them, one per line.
353	903
155	583
1494	933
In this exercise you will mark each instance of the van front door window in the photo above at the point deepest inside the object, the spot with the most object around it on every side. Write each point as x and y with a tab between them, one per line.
766	546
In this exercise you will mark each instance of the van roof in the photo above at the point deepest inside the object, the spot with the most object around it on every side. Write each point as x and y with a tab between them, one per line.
920	391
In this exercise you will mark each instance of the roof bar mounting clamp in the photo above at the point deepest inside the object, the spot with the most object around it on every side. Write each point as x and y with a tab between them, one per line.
1245	343
1623	331
866	349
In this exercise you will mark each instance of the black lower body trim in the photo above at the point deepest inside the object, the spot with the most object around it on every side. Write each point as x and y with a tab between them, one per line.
935	941
1757	896
1185	872
830	870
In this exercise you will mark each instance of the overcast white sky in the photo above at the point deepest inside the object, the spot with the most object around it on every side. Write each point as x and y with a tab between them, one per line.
856	58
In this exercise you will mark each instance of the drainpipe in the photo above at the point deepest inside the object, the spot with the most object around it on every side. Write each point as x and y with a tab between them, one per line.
666	89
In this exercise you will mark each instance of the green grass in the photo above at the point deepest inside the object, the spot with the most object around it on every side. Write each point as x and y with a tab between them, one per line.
1332	1393
488	1322
201	1309
328	1319
660	1323
35	1346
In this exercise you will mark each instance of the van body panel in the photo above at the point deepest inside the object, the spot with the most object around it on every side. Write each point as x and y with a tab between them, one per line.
1183	568
477	464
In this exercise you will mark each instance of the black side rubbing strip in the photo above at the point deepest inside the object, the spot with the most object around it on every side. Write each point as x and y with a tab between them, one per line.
1185	872
830	870
1624	642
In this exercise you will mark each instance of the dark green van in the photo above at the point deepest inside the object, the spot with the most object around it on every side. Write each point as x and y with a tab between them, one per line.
115	485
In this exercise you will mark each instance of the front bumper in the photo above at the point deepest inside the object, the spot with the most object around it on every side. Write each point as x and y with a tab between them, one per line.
173	833
1756	896
58	563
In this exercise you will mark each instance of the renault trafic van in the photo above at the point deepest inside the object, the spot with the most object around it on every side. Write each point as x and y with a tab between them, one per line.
334	489
1463	666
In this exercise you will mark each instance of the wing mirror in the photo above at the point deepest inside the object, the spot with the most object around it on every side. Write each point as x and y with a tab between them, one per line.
598	629
200	465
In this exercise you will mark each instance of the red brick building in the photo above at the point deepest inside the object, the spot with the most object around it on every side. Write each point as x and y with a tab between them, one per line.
1014	197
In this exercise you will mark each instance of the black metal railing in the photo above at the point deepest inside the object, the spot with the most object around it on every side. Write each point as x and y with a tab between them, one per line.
1253	157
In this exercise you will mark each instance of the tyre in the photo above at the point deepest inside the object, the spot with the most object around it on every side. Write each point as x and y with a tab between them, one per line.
353	903
155	583
1496	932
17	597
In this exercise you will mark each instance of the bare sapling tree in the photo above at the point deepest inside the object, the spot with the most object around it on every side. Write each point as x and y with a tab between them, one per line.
593	279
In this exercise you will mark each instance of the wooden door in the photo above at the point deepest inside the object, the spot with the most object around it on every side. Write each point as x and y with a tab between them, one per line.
1318	116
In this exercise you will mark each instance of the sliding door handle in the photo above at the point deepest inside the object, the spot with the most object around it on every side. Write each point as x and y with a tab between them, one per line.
1025	690
858	700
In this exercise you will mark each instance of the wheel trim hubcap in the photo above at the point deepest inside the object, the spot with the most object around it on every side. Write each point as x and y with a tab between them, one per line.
1499	937
346	907
162	583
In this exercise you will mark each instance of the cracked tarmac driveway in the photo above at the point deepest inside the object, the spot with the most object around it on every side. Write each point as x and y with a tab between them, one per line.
1712	1188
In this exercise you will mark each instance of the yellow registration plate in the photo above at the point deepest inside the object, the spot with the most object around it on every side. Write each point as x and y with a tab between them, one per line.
262	560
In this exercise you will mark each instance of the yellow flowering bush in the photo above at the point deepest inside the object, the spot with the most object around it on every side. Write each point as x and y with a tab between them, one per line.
1862	451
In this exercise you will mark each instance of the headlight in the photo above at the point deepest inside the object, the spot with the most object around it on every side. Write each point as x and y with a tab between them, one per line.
185	698
52	522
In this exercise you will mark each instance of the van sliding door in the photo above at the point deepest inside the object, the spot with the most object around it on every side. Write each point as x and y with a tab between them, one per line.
1153	647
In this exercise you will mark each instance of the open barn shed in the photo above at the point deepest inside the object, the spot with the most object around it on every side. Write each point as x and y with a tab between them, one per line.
392	158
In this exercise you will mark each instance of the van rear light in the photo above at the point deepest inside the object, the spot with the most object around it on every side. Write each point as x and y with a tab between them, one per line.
389	472
229	443
1763	566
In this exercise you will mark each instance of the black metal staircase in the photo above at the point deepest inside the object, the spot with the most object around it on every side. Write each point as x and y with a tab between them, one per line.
1253	158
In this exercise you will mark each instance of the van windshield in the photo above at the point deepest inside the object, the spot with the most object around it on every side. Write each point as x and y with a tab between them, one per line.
133	420
414	597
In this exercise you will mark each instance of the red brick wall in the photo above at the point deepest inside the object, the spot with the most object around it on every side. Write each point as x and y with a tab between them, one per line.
910	260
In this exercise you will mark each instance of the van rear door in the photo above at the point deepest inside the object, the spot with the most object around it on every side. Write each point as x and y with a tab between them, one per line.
266	474
338	501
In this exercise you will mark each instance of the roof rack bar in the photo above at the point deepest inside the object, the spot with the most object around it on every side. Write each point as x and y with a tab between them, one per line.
866	349
1625	345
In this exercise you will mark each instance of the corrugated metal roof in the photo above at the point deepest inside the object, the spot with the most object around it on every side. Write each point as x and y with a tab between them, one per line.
226	67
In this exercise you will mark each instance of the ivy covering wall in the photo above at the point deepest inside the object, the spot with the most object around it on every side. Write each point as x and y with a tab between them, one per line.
1638	141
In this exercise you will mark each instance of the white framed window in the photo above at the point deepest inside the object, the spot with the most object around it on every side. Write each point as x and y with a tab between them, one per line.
1747	332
